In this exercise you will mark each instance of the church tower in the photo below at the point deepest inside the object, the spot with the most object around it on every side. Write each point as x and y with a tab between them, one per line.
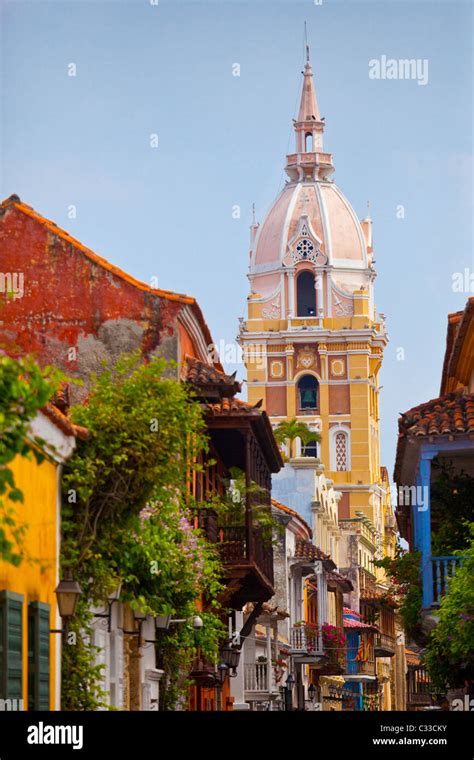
313	343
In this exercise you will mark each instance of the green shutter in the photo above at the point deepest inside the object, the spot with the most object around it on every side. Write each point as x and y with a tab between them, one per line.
11	645
38	656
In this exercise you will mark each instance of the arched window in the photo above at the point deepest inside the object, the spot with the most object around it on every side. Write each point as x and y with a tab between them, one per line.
305	294
307	393
308	142
341	451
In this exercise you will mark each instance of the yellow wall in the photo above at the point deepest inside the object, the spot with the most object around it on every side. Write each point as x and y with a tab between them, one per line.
36	580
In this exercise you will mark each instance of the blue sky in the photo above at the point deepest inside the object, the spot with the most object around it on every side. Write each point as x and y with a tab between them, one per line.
166	212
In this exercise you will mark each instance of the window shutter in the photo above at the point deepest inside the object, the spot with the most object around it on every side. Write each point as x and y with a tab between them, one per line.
38	656
11	644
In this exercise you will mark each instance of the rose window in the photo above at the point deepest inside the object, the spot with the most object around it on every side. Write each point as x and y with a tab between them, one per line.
305	248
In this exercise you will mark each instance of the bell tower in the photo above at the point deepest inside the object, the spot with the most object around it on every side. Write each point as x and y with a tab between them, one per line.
313	342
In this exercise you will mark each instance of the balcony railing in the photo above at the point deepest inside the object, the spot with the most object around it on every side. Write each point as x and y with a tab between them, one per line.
304	642
384	645
237	544
259	678
365	667
443	570
367	583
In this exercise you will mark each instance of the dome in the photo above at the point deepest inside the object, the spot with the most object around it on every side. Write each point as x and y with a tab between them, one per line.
311	223
316	211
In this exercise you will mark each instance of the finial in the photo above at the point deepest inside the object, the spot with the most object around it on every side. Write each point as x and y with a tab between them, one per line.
368	210
306	43
253	214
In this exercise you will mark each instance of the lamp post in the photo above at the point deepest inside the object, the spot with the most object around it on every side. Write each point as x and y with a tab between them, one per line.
312	693
67	593
286	693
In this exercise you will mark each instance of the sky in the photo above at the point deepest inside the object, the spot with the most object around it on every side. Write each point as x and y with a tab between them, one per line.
154	142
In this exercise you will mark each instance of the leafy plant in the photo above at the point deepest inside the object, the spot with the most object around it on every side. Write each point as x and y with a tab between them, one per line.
289	430
24	389
449	654
125	519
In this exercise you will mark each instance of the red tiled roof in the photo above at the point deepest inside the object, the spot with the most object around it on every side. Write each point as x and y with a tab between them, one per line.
446	415
234	406
307	550
63	423
458	325
348	611
358	624
412	657
293	513
199	373
340	580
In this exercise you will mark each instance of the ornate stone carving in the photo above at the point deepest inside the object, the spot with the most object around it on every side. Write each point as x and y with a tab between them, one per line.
272	311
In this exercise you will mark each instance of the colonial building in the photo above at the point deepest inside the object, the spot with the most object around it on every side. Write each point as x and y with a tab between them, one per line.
30	673
433	436
76	310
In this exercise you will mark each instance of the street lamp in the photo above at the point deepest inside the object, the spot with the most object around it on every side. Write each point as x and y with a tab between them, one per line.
312	692
67	593
230	657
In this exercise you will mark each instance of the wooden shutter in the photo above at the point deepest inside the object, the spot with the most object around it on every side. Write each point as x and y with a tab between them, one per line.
11	644
38	656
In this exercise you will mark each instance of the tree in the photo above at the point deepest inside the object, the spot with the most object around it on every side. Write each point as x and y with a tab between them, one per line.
125	518
290	430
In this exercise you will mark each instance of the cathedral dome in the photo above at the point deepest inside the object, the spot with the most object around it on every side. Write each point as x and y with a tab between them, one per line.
311	222
316	212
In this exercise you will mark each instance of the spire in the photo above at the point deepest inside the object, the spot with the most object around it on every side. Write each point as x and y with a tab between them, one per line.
309	110
309	161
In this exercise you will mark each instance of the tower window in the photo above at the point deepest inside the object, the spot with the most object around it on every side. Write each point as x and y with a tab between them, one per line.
341	451
310	449
308	392
305	293
308	142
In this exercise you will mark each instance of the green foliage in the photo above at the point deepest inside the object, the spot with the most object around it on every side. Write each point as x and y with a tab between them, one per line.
125	516
405	589
24	390
449	655
452	509
231	510
290	430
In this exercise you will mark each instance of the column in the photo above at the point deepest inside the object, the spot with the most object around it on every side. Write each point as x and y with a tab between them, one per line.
422	523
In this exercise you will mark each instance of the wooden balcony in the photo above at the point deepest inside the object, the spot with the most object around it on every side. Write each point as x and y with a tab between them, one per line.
247	558
384	645
259	680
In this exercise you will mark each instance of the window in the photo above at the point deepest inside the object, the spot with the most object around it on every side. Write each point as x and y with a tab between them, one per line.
341	451
310	449
11	644
305	294
308	142
308	392
339	448
304	249
38	656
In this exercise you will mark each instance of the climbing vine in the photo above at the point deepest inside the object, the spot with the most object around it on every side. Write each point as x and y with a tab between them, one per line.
126	519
